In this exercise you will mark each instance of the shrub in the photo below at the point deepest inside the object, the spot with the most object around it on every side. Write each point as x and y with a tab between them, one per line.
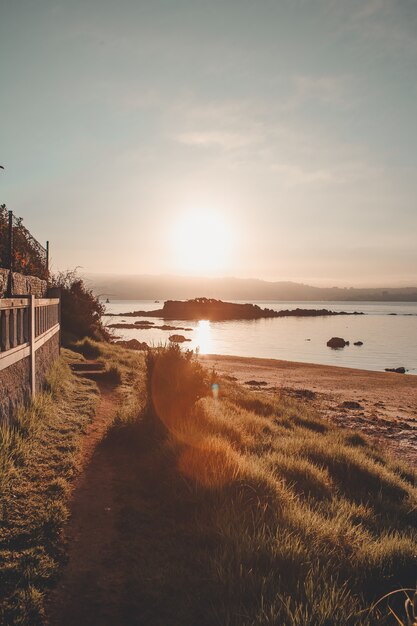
81	310
175	381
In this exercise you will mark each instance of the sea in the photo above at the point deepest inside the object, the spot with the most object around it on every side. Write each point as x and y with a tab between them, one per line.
388	331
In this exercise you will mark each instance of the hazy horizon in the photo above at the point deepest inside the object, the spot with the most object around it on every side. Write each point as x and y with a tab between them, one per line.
318	284
274	140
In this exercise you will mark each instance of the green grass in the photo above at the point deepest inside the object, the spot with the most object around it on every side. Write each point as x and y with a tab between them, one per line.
39	459
124	369
275	516
38	463
238	508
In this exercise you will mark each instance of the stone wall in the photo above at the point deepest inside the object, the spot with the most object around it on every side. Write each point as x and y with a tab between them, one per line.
4	277
15	379
14	388
22	285
28	285
45	357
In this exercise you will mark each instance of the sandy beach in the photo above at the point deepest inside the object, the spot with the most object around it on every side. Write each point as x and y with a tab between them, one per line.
382	405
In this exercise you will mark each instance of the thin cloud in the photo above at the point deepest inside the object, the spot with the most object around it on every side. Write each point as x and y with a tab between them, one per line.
224	140
295	176
327	89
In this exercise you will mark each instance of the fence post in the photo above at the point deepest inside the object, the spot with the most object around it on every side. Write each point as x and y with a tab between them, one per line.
10	255
55	292
32	345
11	241
5	330
13	328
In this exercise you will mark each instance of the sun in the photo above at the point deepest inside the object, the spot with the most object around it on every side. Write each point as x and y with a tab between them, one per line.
202	242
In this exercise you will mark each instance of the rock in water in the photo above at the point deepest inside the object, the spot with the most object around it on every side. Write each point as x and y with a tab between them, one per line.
337	342
358	343
132	344
396	370
178	338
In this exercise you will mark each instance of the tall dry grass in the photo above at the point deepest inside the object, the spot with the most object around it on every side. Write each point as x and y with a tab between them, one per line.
311	524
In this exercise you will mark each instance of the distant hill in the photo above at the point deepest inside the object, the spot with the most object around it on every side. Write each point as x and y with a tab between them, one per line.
148	287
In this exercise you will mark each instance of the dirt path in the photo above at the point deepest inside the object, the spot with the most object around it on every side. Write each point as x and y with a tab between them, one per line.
381	405
92	578
127	559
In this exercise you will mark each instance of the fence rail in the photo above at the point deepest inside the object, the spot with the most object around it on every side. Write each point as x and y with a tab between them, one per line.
26	323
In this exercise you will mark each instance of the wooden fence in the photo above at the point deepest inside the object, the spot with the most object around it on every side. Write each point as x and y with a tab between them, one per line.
26	324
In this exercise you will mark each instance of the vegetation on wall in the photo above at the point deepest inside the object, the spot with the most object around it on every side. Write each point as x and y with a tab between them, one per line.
29	257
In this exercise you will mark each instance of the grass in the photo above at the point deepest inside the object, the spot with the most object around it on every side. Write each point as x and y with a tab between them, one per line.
124	369
39	459
38	462
238	508
274	516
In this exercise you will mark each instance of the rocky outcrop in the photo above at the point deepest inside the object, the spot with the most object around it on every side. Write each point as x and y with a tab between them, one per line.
217	310
337	342
146	326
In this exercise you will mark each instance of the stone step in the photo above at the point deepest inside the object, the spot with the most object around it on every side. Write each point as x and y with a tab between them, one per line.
88	366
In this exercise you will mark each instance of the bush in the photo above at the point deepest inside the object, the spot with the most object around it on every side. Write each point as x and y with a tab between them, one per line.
174	383
81	310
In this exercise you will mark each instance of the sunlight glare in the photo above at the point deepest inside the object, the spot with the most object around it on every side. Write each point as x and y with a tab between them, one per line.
203	337
202	242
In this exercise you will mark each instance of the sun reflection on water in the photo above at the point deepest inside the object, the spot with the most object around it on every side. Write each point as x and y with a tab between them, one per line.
203	337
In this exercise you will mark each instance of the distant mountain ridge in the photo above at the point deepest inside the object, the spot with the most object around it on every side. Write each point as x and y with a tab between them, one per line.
149	287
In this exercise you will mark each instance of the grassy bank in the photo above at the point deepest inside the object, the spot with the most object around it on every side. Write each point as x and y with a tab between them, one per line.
39	459
232	508
259	512
124	369
38	463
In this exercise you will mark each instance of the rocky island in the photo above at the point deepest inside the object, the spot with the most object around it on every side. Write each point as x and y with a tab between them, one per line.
217	310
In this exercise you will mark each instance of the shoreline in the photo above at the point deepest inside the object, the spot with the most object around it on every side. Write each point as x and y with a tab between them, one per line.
271	362
382	405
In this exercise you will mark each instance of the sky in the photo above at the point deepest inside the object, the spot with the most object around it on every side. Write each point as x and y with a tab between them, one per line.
274	139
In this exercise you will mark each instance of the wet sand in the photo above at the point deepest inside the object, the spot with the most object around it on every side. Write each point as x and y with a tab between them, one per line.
382	405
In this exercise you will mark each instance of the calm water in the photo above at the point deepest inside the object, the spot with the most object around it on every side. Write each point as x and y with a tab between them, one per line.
389	340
